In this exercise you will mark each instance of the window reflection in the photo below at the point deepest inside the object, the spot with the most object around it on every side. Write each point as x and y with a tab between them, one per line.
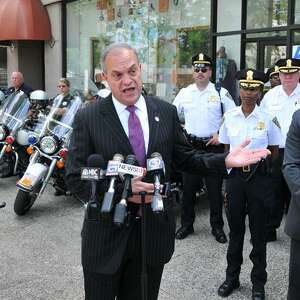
266	13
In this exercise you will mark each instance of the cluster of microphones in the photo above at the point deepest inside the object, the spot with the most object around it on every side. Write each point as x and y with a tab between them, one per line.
120	170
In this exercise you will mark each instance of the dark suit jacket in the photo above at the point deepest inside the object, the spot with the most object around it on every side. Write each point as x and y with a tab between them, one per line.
97	129
291	171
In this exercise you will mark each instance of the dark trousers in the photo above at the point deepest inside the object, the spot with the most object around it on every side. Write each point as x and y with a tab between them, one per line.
281	192
126	283
294	272
191	184
247	198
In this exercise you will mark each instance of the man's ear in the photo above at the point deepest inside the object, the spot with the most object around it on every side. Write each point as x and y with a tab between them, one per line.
104	76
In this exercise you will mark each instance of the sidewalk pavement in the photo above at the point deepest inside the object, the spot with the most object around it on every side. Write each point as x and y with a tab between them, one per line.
40	255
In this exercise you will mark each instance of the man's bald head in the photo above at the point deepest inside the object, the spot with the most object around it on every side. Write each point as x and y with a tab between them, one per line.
17	79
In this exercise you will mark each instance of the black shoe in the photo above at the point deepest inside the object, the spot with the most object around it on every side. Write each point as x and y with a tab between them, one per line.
227	287
271	236
183	232
219	235
59	193
258	295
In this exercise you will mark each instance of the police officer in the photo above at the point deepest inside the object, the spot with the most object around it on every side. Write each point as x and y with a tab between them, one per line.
281	102
203	107
248	188
273	76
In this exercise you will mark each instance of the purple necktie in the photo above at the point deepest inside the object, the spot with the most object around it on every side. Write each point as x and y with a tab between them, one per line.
136	136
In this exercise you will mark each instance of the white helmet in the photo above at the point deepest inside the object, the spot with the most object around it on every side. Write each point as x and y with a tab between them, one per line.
38	95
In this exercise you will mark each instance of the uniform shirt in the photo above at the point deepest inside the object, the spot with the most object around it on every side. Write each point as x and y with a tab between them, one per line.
258	127
141	112
277	103
202	109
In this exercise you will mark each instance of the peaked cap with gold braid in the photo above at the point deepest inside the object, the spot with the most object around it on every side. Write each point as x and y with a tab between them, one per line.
250	78
201	60
272	71
288	65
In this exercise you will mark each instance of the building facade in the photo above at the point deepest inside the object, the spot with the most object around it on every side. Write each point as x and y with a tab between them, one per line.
166	33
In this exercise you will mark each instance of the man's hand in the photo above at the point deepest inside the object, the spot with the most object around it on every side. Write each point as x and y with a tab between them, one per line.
240	156
214	140
137	186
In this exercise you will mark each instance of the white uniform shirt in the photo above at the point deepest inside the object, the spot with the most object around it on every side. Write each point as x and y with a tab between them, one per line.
258	127
277	103
141	112
202	109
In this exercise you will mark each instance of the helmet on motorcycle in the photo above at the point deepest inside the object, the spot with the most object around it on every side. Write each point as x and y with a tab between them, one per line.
39	97
2	97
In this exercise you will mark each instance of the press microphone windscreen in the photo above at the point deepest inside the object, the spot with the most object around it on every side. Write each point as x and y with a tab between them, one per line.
96	161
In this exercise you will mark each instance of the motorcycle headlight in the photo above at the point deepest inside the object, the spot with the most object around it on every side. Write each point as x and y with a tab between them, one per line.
3	133
48	144
22	137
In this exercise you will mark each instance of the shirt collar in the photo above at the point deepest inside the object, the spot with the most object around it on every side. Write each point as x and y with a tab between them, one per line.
296	91
120	107
254	113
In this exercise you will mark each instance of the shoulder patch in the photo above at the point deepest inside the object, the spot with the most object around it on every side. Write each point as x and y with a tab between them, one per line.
228	95
276	122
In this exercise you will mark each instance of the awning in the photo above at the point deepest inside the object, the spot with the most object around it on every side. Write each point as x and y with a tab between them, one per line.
24	20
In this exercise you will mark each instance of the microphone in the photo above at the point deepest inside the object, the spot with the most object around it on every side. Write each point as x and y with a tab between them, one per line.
218	86
121	207
94	172
112	171
156	167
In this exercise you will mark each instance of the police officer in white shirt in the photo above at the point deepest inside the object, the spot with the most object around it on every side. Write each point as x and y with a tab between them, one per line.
281	102
203	107
248	189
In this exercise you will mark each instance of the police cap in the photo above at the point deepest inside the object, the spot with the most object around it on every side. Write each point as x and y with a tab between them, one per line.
250	78
288	65
201	60
272	71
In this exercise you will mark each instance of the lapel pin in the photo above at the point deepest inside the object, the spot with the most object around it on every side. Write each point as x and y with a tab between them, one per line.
156	119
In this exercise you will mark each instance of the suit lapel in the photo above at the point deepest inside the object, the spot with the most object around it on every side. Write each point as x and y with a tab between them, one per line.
154	121
114	126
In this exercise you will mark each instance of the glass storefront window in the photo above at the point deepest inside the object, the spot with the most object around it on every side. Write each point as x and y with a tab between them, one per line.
3	67
165	33
228	62
251	55
229	15
297	11
266	13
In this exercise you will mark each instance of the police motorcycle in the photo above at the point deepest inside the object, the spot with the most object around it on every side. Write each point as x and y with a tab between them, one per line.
48	148
12	117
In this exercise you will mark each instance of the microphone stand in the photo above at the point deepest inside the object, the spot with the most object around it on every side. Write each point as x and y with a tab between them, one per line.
144	276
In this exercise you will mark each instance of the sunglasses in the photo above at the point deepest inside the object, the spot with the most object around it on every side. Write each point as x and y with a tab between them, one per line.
203	70
61	86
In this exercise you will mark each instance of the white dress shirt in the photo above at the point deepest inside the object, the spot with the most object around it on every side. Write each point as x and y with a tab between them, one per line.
202	109
258	127
277	103
141	112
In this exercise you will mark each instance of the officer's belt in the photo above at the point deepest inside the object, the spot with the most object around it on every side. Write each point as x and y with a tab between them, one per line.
247	172
200	139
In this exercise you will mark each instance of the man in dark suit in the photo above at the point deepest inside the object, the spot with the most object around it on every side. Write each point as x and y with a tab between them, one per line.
291	171
17	82
111	256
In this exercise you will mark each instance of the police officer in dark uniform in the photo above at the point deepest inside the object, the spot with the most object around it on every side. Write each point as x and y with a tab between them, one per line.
248	189
17	81
203	107
273	76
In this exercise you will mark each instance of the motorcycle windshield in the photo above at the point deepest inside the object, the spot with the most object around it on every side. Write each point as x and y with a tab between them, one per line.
15	110
62	115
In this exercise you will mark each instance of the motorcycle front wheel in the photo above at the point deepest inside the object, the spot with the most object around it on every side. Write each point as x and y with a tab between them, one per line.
24	202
